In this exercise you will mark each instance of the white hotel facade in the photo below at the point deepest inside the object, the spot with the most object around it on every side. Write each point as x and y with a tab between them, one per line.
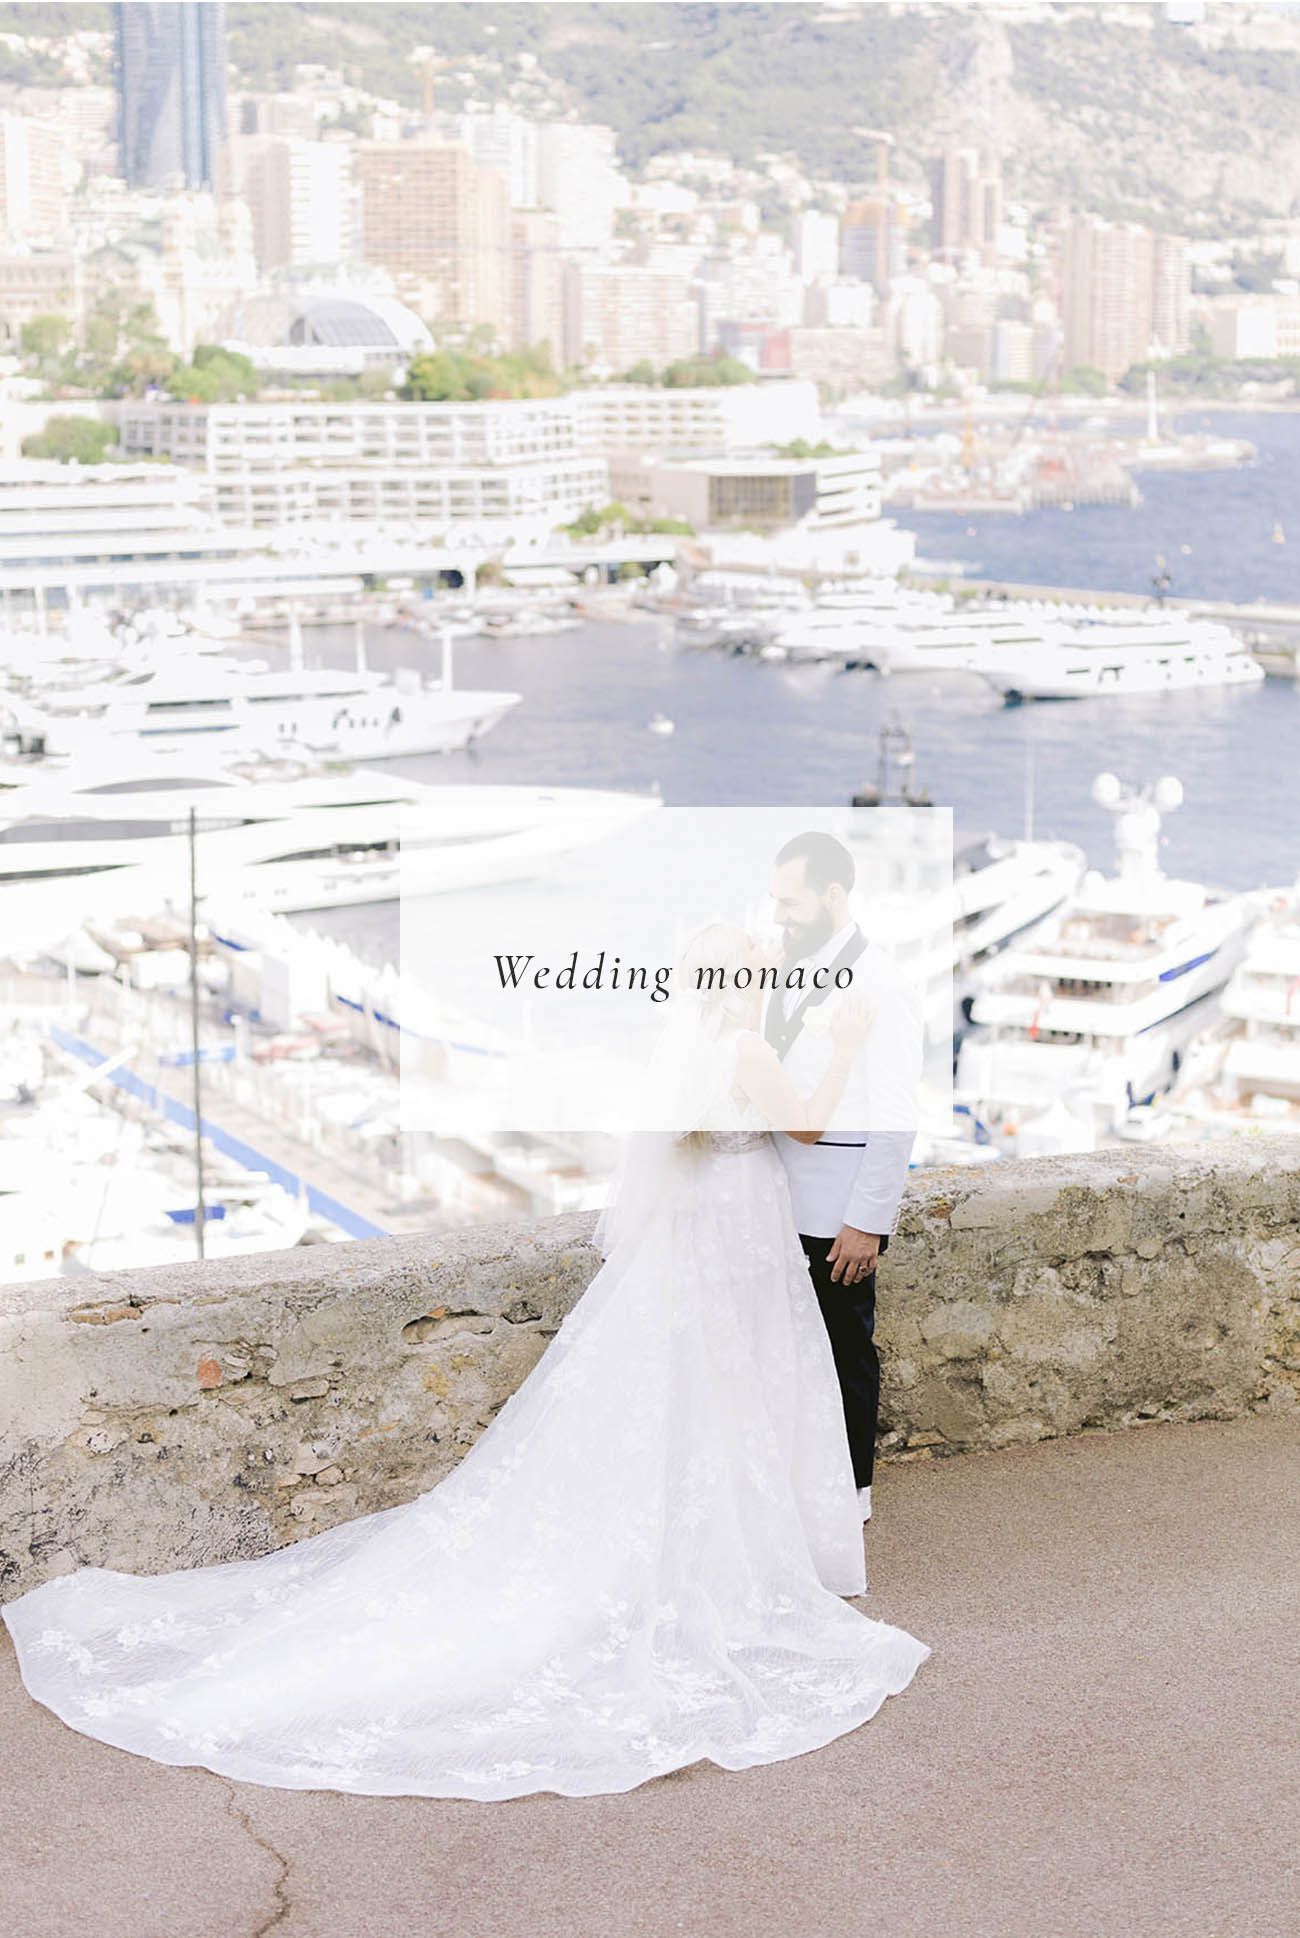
501	461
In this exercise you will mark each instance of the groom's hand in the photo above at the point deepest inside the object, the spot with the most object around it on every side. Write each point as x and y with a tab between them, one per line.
853	1255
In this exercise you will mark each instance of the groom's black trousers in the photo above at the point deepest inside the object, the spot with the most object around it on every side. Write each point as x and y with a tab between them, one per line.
850	1315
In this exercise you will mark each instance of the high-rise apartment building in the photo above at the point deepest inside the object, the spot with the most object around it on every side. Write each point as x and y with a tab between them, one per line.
966	201
577	179
301	198
432	217
33	198
171	90
619	316
872	241
1124	291
497	139
536	281
815	241
1171	286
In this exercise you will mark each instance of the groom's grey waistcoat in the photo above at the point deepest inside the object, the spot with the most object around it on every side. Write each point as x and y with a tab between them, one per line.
855	1174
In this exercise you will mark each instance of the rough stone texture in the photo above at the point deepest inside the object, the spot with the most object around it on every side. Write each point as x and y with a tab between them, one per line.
175	1416
171	1417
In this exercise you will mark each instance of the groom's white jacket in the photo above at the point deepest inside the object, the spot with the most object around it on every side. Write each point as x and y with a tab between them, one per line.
855	1174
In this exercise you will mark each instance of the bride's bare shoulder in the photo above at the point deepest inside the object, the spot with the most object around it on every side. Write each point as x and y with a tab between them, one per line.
753	1050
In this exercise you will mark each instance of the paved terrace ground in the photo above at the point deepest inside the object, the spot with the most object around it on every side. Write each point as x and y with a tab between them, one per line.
1103	1742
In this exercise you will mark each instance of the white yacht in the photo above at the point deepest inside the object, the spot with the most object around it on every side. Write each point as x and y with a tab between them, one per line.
1106	658
290	835
1095	1014
337	714
905	633
948	903
1243	1075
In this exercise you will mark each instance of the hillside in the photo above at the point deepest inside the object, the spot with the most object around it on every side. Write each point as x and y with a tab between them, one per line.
1109	107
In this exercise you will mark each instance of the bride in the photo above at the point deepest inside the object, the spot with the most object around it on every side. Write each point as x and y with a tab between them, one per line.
640	1563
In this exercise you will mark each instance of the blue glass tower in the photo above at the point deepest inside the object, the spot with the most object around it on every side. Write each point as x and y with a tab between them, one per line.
171	90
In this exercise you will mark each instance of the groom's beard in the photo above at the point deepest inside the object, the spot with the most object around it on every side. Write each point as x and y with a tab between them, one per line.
805	938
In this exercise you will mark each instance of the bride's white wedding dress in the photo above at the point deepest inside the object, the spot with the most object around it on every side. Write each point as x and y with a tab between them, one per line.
639	1563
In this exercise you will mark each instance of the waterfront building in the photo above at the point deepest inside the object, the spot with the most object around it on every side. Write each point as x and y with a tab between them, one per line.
759	492
1124	292
228	438
171	79
1014	352
713	417
93	522
1244	326
439	464
1170	295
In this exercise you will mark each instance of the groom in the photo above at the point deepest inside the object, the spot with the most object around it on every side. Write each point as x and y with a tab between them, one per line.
845	1188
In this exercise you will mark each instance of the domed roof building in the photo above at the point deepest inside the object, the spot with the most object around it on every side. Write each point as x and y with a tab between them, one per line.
331	332
373	324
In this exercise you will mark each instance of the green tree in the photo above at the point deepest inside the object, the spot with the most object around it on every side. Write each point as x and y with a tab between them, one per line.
641	373
213	376
1085	380
690	372
799	447
460	376
45	337
71	440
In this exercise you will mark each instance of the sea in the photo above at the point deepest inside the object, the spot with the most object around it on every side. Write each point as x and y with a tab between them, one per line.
752	733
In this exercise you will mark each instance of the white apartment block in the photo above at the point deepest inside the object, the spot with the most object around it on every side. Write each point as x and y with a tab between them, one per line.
619	316
578	180
756	287
433	464
224	438
1255	326
586	423
33	197
499	140
556	489
815	240
718	417
303	200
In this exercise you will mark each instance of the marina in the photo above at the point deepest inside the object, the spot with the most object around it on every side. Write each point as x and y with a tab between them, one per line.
603	702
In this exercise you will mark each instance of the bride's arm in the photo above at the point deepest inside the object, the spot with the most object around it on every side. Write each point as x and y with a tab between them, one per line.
760	1074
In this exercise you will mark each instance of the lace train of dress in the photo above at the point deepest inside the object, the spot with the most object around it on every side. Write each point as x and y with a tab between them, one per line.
639	1564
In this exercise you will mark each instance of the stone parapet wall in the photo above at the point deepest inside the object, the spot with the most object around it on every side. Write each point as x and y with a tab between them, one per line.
181	1415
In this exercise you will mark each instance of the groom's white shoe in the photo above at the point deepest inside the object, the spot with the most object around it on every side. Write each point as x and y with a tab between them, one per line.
864	1502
